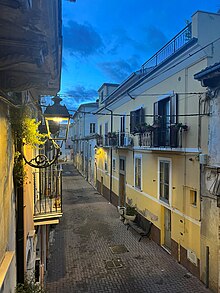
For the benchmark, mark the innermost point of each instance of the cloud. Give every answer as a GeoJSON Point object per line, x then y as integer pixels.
{"type": "Point", "coordinates": [148, 41]}
{"type": "Point", "coordinates": [118, 70]}
{"type": "Point", "coordinates": [118, 40]}
{"type": "Point", "coordinates": [154, 39]}
{"type": "Point", "coordinates": [80, 95]}
{"type": "Point", "coordinates": [81, 39]}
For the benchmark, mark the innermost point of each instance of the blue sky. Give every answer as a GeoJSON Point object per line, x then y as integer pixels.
{"type": "Point", "coordinates": [106, 40]}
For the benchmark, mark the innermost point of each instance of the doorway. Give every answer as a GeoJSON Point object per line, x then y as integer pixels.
{"type": "Point", "coordinates": [167, 229]}
{"type": "Point", "coordinates": [122, 182]}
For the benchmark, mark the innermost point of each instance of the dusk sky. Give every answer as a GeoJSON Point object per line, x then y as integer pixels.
{"type": "Point", "coordinates": [106, 40]}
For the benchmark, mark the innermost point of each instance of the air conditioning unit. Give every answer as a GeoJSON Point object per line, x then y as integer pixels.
{"type": "Point", "coordinates": [128, 141]}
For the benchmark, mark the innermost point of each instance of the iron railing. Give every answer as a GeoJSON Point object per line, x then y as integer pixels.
{"type": "Point", "coordinates": [47, 192]}
{"type": "Point", "coordinates": [182, 38]}
{"type": "Point", "coordinates": [117, 139]}
{"type": "Point", "coordinates": [163, 136]}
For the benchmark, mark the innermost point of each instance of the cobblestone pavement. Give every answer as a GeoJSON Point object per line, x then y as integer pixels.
{"type": "Point", "coordinates": [79, 252]}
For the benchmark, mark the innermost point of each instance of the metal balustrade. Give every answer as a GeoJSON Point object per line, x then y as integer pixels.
{"type": "Point", "coordinates": [181, 39]}
{"type": "Point", "coordinates": [116, 139]}
{"type": "Point", "coordinates": [170, 136]}
{"type": "Point", "coordinates": [47, 192]}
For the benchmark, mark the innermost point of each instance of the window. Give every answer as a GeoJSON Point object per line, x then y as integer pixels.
{"type": "Point", "coordinates": [164, 180]}
{"type": "Point", "coordinates": [102, 96]}
{"type": "Point", "coordinates": [122, 164]}
{"type": "Point", "coordinates": [165, 116]}
{"type": "Point", "coordinates": [106, 133]}
{"type": "Point", "coordinates": [113, 164]}
{"type": "Point", "coordinates": [92, 127]}
{"type": "Point", "coordinates": [100, 129]}
{"type": "Point", "coordinates": [137, 172]}
{"type": "Point", "coordinates": [136, 118]}
{"type": "Point", "coordinates": [106, 166]}
{"type": "Point", "coordinates": [193, 197]}
{"type": "Point", "coordinates": [90, 150]}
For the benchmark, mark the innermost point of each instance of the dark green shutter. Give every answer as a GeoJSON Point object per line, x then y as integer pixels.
{"type": "Point", "coordinates": [174, 132]}
{"type": "Point", "coordinates": [132, 121]}
{"type": "Point", "coordinates": [156, 130]}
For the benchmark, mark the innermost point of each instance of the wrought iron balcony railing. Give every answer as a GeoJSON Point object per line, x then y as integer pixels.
{"type": "Point", "coordinates": [48, 193]}
{"type": "Point", "coordinates": [181, 39]}
{"type": "Point", "coordinates": [164, 136]}
{"type": "Point", "coordinates": [117, 139]}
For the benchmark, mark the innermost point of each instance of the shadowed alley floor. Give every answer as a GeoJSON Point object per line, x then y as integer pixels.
{"type": "Point", "coordinates": [81, 260]}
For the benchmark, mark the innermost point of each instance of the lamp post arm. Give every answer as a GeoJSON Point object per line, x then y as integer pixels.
{"type": "Point", "coordinates": [41, 160]}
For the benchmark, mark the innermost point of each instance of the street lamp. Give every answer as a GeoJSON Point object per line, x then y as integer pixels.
{"type": "Point", "coordinates": [57, 120]}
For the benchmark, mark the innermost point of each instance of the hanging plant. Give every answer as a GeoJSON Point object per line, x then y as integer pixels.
{"type": "Point", "coordinates": [25, 132]}
{"type": "Point", "coordinates": [30, 133]}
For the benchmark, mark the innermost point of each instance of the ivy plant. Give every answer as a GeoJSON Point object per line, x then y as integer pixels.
{"type": "Point", "coordinates": [25, 132]}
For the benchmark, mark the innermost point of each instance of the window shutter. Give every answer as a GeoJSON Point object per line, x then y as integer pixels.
{"type": "Point", "coordinates": [156, 107]}
{"type": "Point", "coordinates": [174, 109]}
{"type": "Point", "coordinates": [132, 121]}
{"type": "Point", "coordinates": [156, 130]}
{"type": "Point", "coordinates": [174, 133]}
{"type": "Point", "coordinates": [142, 116]}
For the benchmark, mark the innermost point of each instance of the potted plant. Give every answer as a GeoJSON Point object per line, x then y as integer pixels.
{"type": "Point", "coordinates": [130, 214]}
{"type": "Point", "coordinates": [121, 211]}
{"type": "Point", "coordinates": [177, 126]}
{"type": "Point", "coordinates": [142, 128]}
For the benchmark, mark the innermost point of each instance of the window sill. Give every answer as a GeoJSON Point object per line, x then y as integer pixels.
{"type": "Point", "coordinates": [164, 201]}
{"type": "Point", "coordinates": [138, 189]}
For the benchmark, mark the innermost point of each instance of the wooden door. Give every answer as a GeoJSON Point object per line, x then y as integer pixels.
{"type": "Point", "coordinates": [167, 228]}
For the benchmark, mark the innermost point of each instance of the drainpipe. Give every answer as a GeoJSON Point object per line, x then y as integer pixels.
{"type": "Point", "coordinates": [20, 226]}
{"type": "Point", "coordinates": [199, 124]}
{"type": "Point", "coordinates": [110, 192]}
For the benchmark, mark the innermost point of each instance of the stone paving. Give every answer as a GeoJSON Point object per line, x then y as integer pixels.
{"type": "Point", "coordinates": [80, 253]}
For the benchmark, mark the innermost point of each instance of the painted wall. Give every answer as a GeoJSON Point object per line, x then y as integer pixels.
{"type": "Point", "coordinates": [175, 76]}
{"type": "Point", "coordinates": [210, 204]}
{"type": "Point", "coordinates": [7, 202]}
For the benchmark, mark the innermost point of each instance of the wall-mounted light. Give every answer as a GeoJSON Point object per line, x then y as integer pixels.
{"type": "Point", "coordinates": [57, 120]}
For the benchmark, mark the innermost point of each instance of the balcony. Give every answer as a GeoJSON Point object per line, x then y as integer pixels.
{"type": "Point", "coordinates": [99, 140]}
{"type": "Point", "coordinates": [118, 139]}
{"type": "Point", "coordinates": [47, 197]}
{"type": "Point", "coordinates": [167, 136]}
{"type": "Point", "coordinates": [124, 140]}
{"type": "Point", "coordinates": [174, 45]}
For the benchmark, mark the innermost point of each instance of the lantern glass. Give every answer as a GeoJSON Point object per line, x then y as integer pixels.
{"type": "Point", "coordinates": [57, 127]}
{"type": "Point", "coordinates": [57, 120]}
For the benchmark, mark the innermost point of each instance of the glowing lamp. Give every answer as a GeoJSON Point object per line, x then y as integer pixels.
{"type": "Point", "coordinates": [57, 120]}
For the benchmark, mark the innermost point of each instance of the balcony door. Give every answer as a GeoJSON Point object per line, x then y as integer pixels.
{"type": "Point", "coordinates": [122, 182]}
{"type": "Point", "coordinates": [165, 116]}
{"type": "Point", "coordinates": [122, 130]}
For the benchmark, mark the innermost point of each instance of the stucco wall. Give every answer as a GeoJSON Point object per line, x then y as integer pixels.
{"type": "Point", "coordinates": [7, 198]}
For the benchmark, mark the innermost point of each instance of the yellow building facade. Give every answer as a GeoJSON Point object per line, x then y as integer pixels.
{"type": "Point", "coordinates": [153, 139]}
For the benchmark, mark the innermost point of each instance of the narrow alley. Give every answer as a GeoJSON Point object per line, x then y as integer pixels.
{"type": "Point", "coordinates": [81, 259]}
